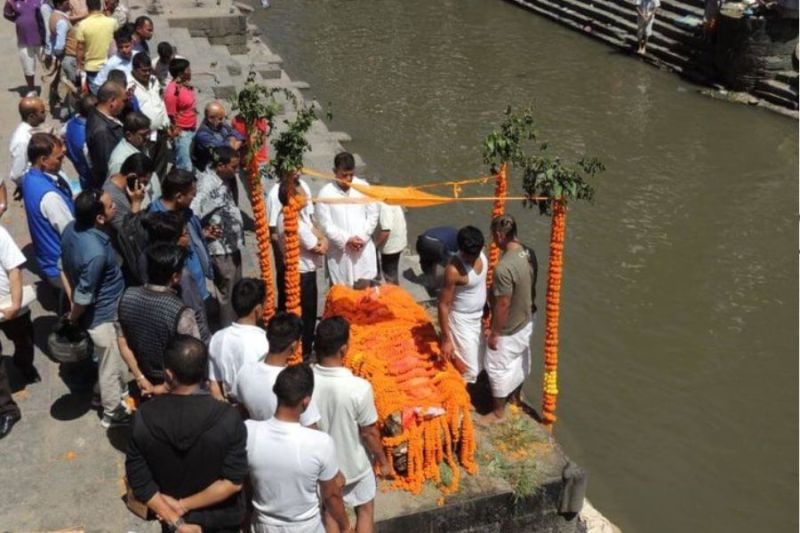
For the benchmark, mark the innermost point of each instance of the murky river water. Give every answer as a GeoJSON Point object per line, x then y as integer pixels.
{"type": "Point", "coordinates": [678, 371]}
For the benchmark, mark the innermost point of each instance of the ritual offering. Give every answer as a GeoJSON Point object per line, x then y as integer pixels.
{"type": "Point", "coordinates": [422, 401]}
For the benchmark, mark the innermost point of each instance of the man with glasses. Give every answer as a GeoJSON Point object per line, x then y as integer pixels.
{"type": "Point", "coordinates": [136, 135]}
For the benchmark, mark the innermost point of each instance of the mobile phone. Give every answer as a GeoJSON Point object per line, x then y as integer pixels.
{"type": "Point", "coordinates": [132, 180]}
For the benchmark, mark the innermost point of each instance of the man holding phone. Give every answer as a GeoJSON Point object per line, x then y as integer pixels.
{"type": "Point", "coordinates": [128, 188]}
{"type": "Point", "coordinates": [215, 204]}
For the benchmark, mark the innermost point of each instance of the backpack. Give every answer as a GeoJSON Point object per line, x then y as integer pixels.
{"type": "Point", "coordinates": [131, 242]}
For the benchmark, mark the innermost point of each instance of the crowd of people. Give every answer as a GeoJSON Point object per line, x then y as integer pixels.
{"type": "Point", "coordinates": [143, 252]}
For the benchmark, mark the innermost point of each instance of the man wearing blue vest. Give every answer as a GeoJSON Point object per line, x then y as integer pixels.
{"type": "Point", "coordinates": [48, 203]}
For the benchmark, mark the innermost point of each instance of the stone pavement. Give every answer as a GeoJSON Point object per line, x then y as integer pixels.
{"type": "Point", "coordinates": [60, 468]}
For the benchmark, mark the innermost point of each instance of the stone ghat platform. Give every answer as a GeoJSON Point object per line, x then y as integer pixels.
{"type": "Point", "coordinates": [487, 501]}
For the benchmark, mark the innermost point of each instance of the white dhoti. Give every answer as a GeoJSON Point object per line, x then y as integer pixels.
{"type": "Point", "coordinates": [466, 333]}
{"type": "Point", "coordinates": [508, 366]}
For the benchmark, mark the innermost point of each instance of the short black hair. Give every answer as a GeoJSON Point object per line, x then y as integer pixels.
{"type": "Point", "coordinates": [187, 358]}
{"type": "Point", "coordinates": [86, 103]}
{"type": "Point", "coordinates": [283, 191]}
{"type": "Point", "coordinates": [177, 66]}
{"type": "Point", "coordinates": [141, 59]}
{"type": "Point", "coordinates": [42, 145]}
{"type": "Point", "coordinates": [505, 225]}
{"type": "Point", "coordinates": [163, 261]}
{"type": "Point", "coordinates": [247, 294]}
{"type": "Point", "coordinates": [87, 207]}
{"type": "Point", "coordinates": [119, 77]}
{"type": "Point", "coordinates": [344, 161]}
{"type": "Point", "coordinates": [135, 121]}
{"type": "Point", "coordinates": [140, 21]}
{"type": "Point", "coordinates": [138, 163]}
{"type": "Point", "coordinates": [123, 35]}
{"type": "Point", "coordinates": [165, 50]}
{"type": "Point", "coordinates": [293, 384]}
{"type": "Point", "coordinates": [94, 5]}
{"type": "Point", "coordinates": [109, 90]}
{"type": "Point", "coordinates": [283, 329]}
{"type": "Point", "coordinates": [332, 333]}
{"type": "Point", "coordinates": [470, 240]}
{"type": "Point", "coordinates": [177, 181]}
{"type": "Point", "coordinates": [222, 155]}
{"type": "Point", "coordinates": [164, 226]}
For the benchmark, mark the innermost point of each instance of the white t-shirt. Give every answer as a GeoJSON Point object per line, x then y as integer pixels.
{"type": "Point", "coordinates": [309, 261]}
{"type": "Point", "coordinates": [254, 389]}
{"type": "Point", "coordinates": [230, 349]}
{"type": "Point", "coordinates": [286, 463]}
{"type": "Point", "coordinates": [346, 404]}
{"type": "Point", "coordinates": [274, 204]}
{"type": "Point", "coordinates": [10, 257]}
{"type": "Point", "coordinates": [392, 219]}
{"type": "Point", "coordinates": [19, 150]}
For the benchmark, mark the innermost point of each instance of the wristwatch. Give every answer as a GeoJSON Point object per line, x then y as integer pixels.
{"type": "Point", "coordinates": [176, 525]}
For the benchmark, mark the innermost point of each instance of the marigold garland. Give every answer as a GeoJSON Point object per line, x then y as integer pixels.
{"type": "Point", "coordinates": [394, 345]}
{"type": "Point", "coordinates": [550, 393]}
{"type": "Point", "coordinates": [262, 235]}
{"type": "Point", "coordinates": [291, 228]}
{"type": "Point", "coordinates": [498, 209]}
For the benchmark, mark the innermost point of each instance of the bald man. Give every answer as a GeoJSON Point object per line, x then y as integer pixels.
{"type": "Point", "coordinates": [103, 130]}
{"type": "Point", "coordinates": [213, 133]}
{"type": "Point", "coordinates": [33, 114]}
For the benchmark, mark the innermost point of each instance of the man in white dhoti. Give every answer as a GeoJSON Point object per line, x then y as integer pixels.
{"type": "Point", "coordinates": [461, 304]}
{"type": "Point", "coordinates": [508, 352]}
{"type": "Point", "coordinates": [348, 226]}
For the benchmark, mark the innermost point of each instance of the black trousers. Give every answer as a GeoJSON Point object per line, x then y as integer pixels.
{"type": "Point", "coordinates": [390, 264]}
{"type": "Point", "coordinates": [308, 308]}
{"type": "Point", "coordinates": [19, 331]}
{"type": "Point", "coordinates": [160, 153]}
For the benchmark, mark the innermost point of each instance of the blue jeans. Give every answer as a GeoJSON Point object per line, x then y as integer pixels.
{"type": "Point", "coordinates": [182, 147]}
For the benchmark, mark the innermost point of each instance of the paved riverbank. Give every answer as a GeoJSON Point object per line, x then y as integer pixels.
{"type": "Point", "coordinates": [62, 470]}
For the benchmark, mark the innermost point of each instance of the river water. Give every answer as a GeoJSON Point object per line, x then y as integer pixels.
{"type": "Point", "coordinates": [678, 363]}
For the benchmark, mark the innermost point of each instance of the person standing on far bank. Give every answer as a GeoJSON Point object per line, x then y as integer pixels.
{"type": "Point", "coordinates": [646, 12]}
{"type": "Point", "coordinates": [508, 352]}
{"type": "Point", "coordinates": [25, 14]}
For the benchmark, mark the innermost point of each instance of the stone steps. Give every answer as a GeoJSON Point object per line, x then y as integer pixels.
{"type": "Point", "coordinates": [778, 93]}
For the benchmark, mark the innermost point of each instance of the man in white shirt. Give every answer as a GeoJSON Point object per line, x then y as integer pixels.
{"type": "Point", "coordinates": [348, 227]}
{"type": "Point", "coordinates": [33, 114]}
{"type": "Point", "coordinates": [391, 240]}
{"type": "Point", "coordinates": [289, 463]}
{"type": "Point", "coordinates": [147, 91]}
{"type": "Point", "coordinates": [348, 414]}
{"type": "Point", "coordinates": [240, 343]}
{"type": "Point", "coordinates": [313, 246]}
{"type": "Point", "coordinates": [16, 324]}
{"type": "Point", "coordinates": [255, 379]}
{"type": "Point", "coordinates": [274, 208]}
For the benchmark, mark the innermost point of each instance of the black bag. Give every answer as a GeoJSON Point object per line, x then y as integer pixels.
{"type": "Point", "coordinates": [131, 242]}
{"type": "Point", "coordinates": [68, 343]}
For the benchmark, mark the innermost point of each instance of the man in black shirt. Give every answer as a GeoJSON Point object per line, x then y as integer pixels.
{"type": "Point", "coordinates": [187, 455]}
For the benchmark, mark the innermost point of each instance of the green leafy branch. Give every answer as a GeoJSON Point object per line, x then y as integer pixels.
{"type": "Point", "coordinates": [292, 143]}
{"type": "Point", "coordinates": [516, 143]}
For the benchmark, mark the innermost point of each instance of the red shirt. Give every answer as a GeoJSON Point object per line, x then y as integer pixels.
{"type": "Point", "coordinates": [181, 106]}
{"type": "Point", "coordinates": [262, 157]}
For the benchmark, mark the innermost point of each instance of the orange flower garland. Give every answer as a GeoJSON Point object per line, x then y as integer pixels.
{"type": "Point", "coordinates": [262, 235]}
{"type": "Point", "coordinates": [291, 228]}
{"type": "Point", "coordinates": [498, 209]}
{"type": "Point", "coordinates": [557, 230]}
{"type": "Point", "coordinates": [394, 346]}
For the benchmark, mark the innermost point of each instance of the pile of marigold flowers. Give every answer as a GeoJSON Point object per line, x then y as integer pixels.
{"type": "Point", "coordinates": [422, 402]}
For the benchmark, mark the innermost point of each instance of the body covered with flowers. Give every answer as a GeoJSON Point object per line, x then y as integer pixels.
{"type": "Point", "coordinates": [422, 402]}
